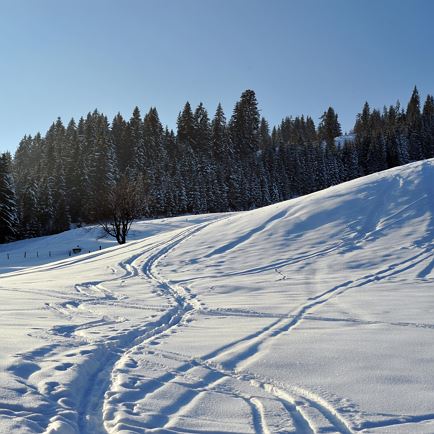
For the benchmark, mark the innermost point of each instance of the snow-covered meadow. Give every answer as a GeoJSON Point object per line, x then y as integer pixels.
{"type": "Point", "coordinates": [314, 315]}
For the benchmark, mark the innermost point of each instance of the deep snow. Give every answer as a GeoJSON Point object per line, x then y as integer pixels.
{"type": "Point", "coordinates": [313, 315]}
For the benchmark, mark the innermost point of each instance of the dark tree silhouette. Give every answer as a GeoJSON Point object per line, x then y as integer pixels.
{"type": "Point", "coordinates": [123, 207]}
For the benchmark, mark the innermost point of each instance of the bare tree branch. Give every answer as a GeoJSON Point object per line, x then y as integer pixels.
{"type": "Point", "coordinates": [124, 206]}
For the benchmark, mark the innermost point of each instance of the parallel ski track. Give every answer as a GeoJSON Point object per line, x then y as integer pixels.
{"type": "Point", "coordinates": [188, 305]}
{"type": "Point", "coordinates": [90, 415]}
{"type": "Point", "coordinates": [91, 294]}
{"type": "Point", "coordinates": [230, 361]}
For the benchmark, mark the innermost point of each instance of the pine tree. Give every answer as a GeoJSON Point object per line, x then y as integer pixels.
{"type": "Point", "coordinates": [221, 156]}
{"type": "Point", "coordinates": [428, 127]}
{"type": "Point", "coordinates": [377, 159]}
{"type": "Point", "coordinates": [207, 166]}
{"type": "Point", "coordinates": [41, 192]}
{"type": "Point", "coordinates": [29, 221]}
{"type": "Point", "coordinates": [189, 164]}
{"type": "Point", "coordinates": [156, 182]}
{"type": "Point", "coordinates": [414, 125]}
{"type": "Point", "coordinates": [185, 123]}
{"type": "Point", "coordinates": [136, 145]}
{"type": "Point", "coordinates": [329, 127]}
{"type": "Point", "coordinates": [219, 136]}
{"type": "Point", "coordinates": [8, 205]}
{"type": "Point", "coordinates": [350, 161]}
{"type": "Point", "coordinates": [102, 166]}
{"type": "Point", "coordinates": [201, 143]}
{"type": "Point", "coordinates": [244, 125]}
{"type": "Point", "coordinates": [122, 144]}
{"type": "Point", "coordinates": [61, 218]}
{"type": "Point", "coordinates": [244, 135]}
{"type": "Point", "coordinates": [264, 134]}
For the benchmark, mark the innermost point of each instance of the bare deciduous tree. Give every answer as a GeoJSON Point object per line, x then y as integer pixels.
{"type": "Point", "coordinates": [123, 207]}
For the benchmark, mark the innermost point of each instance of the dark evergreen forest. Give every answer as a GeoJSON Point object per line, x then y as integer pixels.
{"type": "Point", "coordinates": [208, 165]}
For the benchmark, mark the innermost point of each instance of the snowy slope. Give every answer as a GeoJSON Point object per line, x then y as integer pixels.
{"type": "Point", "coordinates": [314, 315]}
{"type": "Point", "coordinates": [42, 250]}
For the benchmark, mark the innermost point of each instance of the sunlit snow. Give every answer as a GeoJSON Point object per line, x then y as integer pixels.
{"type": "Point", "coordinates": [314, 315]}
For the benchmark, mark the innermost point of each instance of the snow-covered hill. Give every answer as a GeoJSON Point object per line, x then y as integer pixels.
{"type": "Point", "coordinates": [314, 315]}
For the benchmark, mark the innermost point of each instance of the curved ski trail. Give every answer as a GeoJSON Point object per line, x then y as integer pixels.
{"type": "Point", "coordinates": [300, 409]}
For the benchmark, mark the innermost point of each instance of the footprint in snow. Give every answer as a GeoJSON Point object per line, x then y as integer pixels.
{"type": "Point", "coordinates": [154, 343]}
{"type": "Point", "coordinates": [63, 366]}
{"type": "Point", "coordinates": [132, 364]}
{"type": "Point", "coordinates": [24, 369]}
{"type": "Point", "coordinates": [50, 387]}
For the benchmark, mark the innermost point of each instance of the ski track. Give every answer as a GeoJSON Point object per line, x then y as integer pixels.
{"type": "Point", "coordinates": [246, 353]}
{"type": "Point", "coordinates": [230, 361]}
{"type": "Point", "coordinates": [169, 320]}
{"type": "Point", "coordinates": [306, 403]}
{"type": "Point", "coordinates": [104, 355]}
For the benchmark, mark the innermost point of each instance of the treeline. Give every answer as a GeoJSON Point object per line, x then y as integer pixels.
{"type": "Point", "coordinates": [208, 165]}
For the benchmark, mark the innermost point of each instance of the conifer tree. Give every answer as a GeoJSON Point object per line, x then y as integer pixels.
{"type": "Point", "coordinates": [208, 166]}
{"type": "Point", "coordinates": [8, 205]}
{"type": "Point", "coordinates": [122, 143]}
{"type": "Point", "coordinates": [244, 186]}
{"type": "Point", "coordinates": [136, 145]}
{"type": "Point", "coordinates": [428, 127]}
{"type": "Point", "coordinates": [61, 218]}
{"type": "Point", "coordinates": [414, 126]}
{"type": "Point", "coordinates": [155, 178]}
{"type": "Point", "coordinates": [350, 161]}
{"type": "Point", "coordinates": [222, 158]}
{"type": "Point", "coordinates": [103, 166]}
{"type": "Point", "coordinates": [264, 134]}
{"type": "Point", "coordinates": [329, 127]}
{"type": "Point", "coordinates": [28, 211]}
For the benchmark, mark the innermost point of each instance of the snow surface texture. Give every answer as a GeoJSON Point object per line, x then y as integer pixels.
{"type": "Point", "coordinates": [314, 315]}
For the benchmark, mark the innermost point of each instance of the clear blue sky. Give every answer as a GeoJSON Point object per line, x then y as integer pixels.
{"type": "Point", "coordinates": [65, 58]}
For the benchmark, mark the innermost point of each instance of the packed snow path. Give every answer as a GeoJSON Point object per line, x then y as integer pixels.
{"type": "Point", "coordinates": [314, 315]}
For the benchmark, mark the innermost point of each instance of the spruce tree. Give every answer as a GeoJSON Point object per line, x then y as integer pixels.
{"type": "Point", "coordinates": [122, 143]}
{"type": "Point", "coordinates": [207, 166]}
{"type": "Point", "coordinates": [61, 218]}
{"type": "Point", "coordinates": [264, 134]}
{"type": "Point", "coordinates": [222, 158]}
{"type": "Point", "coordinates": [155, 190]}
{"type": "Point", "coordinates": [329, 127]}
{"type": "Point", "coordinates": [30, 223]}
{"type": "Point", "coordinates": [8, 205]}
{"type": "Point", "coordinates": [428, 127]}
{"type": "Point", "coordinates": [244, 186]}
{"type": "Point", "coordinates": [414, 126]}
{"type": "Point", "coordinates": [136, 145]}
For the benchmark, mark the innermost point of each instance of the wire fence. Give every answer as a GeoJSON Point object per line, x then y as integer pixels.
{"type": "Point", "coordinates": [36, 254]}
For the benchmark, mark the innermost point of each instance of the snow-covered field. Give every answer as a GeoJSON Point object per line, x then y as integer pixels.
{"type": "Point", "coordinates": [315, 315]}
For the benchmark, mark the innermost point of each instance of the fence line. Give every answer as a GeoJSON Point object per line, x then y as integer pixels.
{"type": "Point", "coordinates": [34, 254]}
